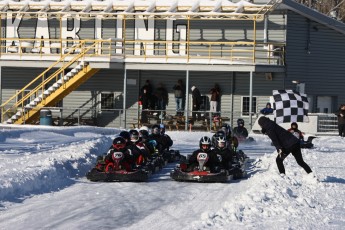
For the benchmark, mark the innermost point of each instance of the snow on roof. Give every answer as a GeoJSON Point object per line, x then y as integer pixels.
{"type": "Point", "coordinates": [123, 6]}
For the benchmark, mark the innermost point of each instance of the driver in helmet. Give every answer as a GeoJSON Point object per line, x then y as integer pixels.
{"type": "Point", "coordinates": [233, 141]}
{"type": "Point", "coordinates": [163, 143]}
{"type": "Point", "coordinates": [169, 142]}
{"type": "Point", "coordinates": [295, 131]}
{"type": "Point", "coordinates": [119, 145]}
{"type": "Point", "coordinates": [145, 140]}
{"type": "Point", "coordinates": [205, 146]}
{"type": "Point", "coordinates": [240, 132]}
{"type": "Point", "coordinates": [143, 153]}
{"type": "Point", "coordinates": [222, 150]}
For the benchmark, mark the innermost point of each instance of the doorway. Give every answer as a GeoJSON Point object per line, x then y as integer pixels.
{"type": "Point", "coordinates": [324, 104]}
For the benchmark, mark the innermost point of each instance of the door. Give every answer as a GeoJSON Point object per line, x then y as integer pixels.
{"type": "Point", "coordinates": [324, 104]}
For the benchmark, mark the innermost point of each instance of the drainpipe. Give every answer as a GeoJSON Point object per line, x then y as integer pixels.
{"type": "Point", "coordinates": [265, 29]}
{"type": "Point", "coordinates": [232, 98]}
{"type": "Point", "coordinates": [138, 90]}
{"type": "Point", "coordinates": [124, 96]}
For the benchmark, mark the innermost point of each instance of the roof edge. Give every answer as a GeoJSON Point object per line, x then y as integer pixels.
{"type": "Point", "coordinates": [314, 15]}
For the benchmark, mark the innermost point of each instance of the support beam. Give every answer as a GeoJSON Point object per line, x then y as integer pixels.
{"type": "Point", "coordinates": [124, 97]}
{"type": "Point", "coordinates": [250, 99]}
{"type": "Point", "coordinates": [186, 107]}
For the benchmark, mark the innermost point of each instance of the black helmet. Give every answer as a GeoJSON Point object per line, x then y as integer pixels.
{"type": "Point", "coordinates": [220, 133]}
{"type": "Point", "coordinates": [240, 122]}
{"type": "Point", "coordinates": [227, 129]}
{"type": "Point", "coordinates": [294, 124]}
{"type": "Point", "coordinates": [155, 130]}
{"type": "Point", "coordinates": [221, 142]}
{"type": "Point", "coordinates": [144, 134]}
{"type": "Point", "coordinates": [125, 135]}
{"type": "Point", "coordinates": [134, 135]}
{"type": "Point", "coordinates": [205, 143]}
{"type": "Point", "coordinates": [119, 143]}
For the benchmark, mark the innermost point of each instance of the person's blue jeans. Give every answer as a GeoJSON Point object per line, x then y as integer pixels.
{"type": "Point", "coordinates": [179, 101]}
{"type": "Point", "coordinates": [161, 106]}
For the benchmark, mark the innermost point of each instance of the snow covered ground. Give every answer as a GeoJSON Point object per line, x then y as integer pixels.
{"type": "Point", "coordinates": [43, 186]}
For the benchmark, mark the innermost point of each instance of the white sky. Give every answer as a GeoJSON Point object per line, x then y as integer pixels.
{"type": "Point", "coordinates": [43, 186]}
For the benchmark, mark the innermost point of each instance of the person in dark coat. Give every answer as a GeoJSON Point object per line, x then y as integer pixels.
{"type": "Point", "coordinates": [119, 145]}
{"type": "Point", "coordinates": [163, 143]}
{"type": "Point", "coordinates": [204, 147]}
{"type": "Point", "coordinates": [145, 99]}
{"type": "Point", "coordinates": [240, 132]}
{"type": "Point", "coordinates": [196, 102]}
{"type": "Point", "coordinates": [162, 99]}
{"type": "Point", "coordinates": [341, 120]}
{"type": "Point", "coordinates": [226, 153]}
{"type": "Point", "coordinates": [179, 96]}
{"type": "Point", "coordinates": [285, 143]}
{"type": "Point", "coordinates": [267, 110]}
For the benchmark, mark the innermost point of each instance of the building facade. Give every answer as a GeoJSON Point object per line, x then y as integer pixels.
{"type": "Point", "coordinates": [248, 48]}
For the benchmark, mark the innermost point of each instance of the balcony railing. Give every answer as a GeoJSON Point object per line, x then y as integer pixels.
{"type": "Point", "coordinates": [203, 52]}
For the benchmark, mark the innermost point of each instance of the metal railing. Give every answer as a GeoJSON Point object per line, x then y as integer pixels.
{"type": "Point", "coordinates": [223, 51]}
{"type": "Point", "coordinates": [41, 47]}
{"type": "Point", "coordinates": [220, 52]}
{"type": "Point", "coordinates": [327, 123]}
{"type": "Point", "coordinates": [40, 83]}
{"type": "Point", "coordinates": [210, 121]}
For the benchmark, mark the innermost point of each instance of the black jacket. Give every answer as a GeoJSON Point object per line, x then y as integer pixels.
{"type": "Point", "coordinates": [196, 96]}
{"type": "Point", "coordinates": [341, 119]}
{"type": "Point", "coordinates": [227, 157]}
{"type": "Point", "coordinates": [212, 162]}
{"type": "Point", "coordinates": [178, 91]}
{"type": "Point", "coordinates": [281, 138]}
{"type": "Point", "coordinates": [164, 142]}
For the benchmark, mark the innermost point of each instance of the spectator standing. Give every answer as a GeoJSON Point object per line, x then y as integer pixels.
{"type": "Point", "coordinates": [162, 99]}
{"type": "Point", "coordinates": [145, 98]}
{"type": "Point", "coordinates": [179, 95]}
{"type": "Point", "coordinates": [196, 102]}
{"type": "Point", "coordinates": [341, 120]}
{"type": "Point", "coordinates": [215, 98]}
{"type": "Point", "coordinates": [267, 110]}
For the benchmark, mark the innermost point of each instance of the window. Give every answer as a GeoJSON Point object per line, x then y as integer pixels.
{"type": "Point", "coordinates": [245, 105]}
{"type": "Point", "coordinates": [107, 101]}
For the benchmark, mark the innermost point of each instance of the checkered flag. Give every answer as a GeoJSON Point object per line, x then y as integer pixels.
{"type": "Point", "coordinates": [290, 106]}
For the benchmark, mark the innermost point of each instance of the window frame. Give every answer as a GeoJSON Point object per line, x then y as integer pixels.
{"type": "Point", "coordinates": [101, 108]}
{"type": "Point", "coordinates": [246, 99]}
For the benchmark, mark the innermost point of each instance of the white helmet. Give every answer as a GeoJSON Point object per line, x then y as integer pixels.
{"type": "Point", "coordinates": [144, 128]}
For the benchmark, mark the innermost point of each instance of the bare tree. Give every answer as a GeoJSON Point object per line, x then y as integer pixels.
{"type": "Point", "coordinates": [331, 8]}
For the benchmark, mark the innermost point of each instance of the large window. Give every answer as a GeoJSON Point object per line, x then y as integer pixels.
{"type": "Point", "coordinates": [245, 105]}
{"type": "Point", "coordinates": [107, 101]}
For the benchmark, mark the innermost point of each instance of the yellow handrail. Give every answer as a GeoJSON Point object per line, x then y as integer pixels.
{"type": "Point", "coordinates": [84, 50]}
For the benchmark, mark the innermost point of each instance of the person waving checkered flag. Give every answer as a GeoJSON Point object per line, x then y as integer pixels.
{"type": "Point", "coordinates": [290, 106]}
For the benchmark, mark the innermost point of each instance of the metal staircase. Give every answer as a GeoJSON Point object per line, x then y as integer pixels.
{"type": "Point", "coordinates": [47, 91]}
